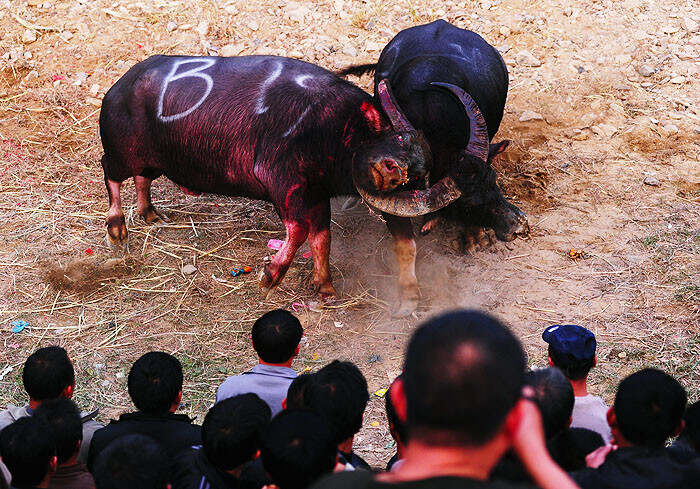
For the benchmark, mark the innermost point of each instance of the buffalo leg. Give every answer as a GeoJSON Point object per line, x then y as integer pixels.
{"type": "Point", "coordinates": [144, 206]}
{"type": "Point", "coordinates": [116, 224]}
{"type": "Point", "coordinates": [405, 250]}
{"type": "Point", "coordinates": [272, 274]}
{"type": "Point", "coordinates": [320, 241]}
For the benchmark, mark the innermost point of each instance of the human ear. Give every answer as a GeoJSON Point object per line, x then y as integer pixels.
{"type": "Point", "coordinates": [398, 397]}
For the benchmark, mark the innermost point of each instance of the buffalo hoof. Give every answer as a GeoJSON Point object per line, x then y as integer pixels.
{"type": "Point", "coordinates": [268, 280]}
{"type": "Point", "coordinates": [326, 292]}
{"type": "Point", "coordinates": [117, 234]}
{"type": "Point", "coordinates": [408, 302]}
{"type": "Point", "coordinates": [152, 216]}
{"type": "Point", "coordinates": [474, 239]}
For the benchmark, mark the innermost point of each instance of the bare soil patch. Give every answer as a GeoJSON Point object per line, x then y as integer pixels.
{"type": "Point", "coordinates": [579, 174]}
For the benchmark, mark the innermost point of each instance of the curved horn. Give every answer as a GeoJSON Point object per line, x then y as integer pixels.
{"type": "Point", "coordinates": [398, 120]}
{"type": "Point", "coordinates": [414, 203]}
{"type": "Point", "coordinates": [478, 134]}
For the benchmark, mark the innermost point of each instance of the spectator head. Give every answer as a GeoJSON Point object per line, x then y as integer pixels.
{"type": "Point", "coordinates": [48, 374]}
{"type": "Point", "coordinates": [233, 429]}
{"type": "Point", "coordinates": [463, 375]}
{"type": "Point", "coordinates": [132, 461]}
{"type": "Point", "coordinates": [276, 336]}
{"type": "Point", "coordinates": [397, 427]}
{"type": "Point", "coordinates": [63, 416]}
{"type": "Point", "coordinates": [296, 392]}
{"type": "Point", "coordinates": [155, 383]}
{"type": "Point", "coordinates": [691, 431]}
{"type": "Point", "coordinates": [554, 397]}
{"type": "Point", "coordinates": [338, 392]}
{"type": "Point", "coordinates": [648, 409]}
{"type": "Point", "coordinates": [28, 449]}
{"type": "Point", "coordinates": [571, 349]}
{"type": "Point", "coordinates": [298, 448]}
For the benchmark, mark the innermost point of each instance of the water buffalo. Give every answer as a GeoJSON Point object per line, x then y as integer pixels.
{"type": "Point", "coordinates": [437, 71]}
{"type": "Point", "coordinates": [265, 127]}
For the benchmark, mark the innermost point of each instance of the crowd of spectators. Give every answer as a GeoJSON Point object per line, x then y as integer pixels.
{"type": "Point", "coordinates": [464, 413]}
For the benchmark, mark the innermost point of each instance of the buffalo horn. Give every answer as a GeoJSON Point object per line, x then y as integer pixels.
{"type": "Point", "coordinates": [398, 121]}
{"type": "Point", "coordinates": [412, 203]}
{"type": "Point", "coordinates": [478, 134]}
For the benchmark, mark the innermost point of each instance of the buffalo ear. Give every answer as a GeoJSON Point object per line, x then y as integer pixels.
{"type": "Point", "coordinates": [498, 148]}
{"type": "Point", "coordinates": [372, 116]}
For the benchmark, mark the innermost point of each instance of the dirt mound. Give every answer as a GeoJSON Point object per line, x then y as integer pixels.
{"type": "Point", "coordinates": [85, 275]}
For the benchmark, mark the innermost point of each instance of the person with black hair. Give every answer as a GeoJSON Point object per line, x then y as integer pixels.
{"type": "Point", "coordinates": [461, 396]}
{"type": "Point", "coordinates": [648, 410]}
{"type": "Point", "coordinates": [397, 428]}
{"type": "Point", "coordinates": [133, 462]}
{"type": "Point", "coordinates": [568, 447]}
{"type": "Point", "coordinates": [276, 336]}
{"type": "Point", "coordinates": [572, 350]}
{"type": "Point", "coordinates": [232, 433]}
{"type": "Point", "coordinates": [298, 448]}
{"type": "Point", "coordinates": [28, 449]}
{"type": "Point", "coordinates": [48, 374]}
{"type": "Point", "coordinates": [63, 417]}
{"type": "Point", "coordinates": [155, 388]}
{"type": "Point", "coordinates": [297, 389]}
{"type": "Point", "coordinates": [338, 392]}
{"type": "Point", "coordinates": [687, 445]}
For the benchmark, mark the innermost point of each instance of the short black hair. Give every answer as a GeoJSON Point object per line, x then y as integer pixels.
{"type": "Point", "coordinates": [338, 392]}
{"type": "Point", "coordinates": [154, 382]}
{"type": "Point", "coordinates": [47, 372]}
{"type": "Point", "coordinates": [649, 407]}
{"type": "Point", "coordinates": [464, 372]}
{"type": "Point", "coordinates": [298, 448]}
{"type": "Point", "coordinates": [572, 368]}
{"type": "Point", "coordinates": [233, 429]}
{"type": "Point", "coordinates": [554, 397]}
{"type": "Point", "coordinates": [276, 335]}
{"type": "Point", "coordinates": [27, 447]}
{"type": "Point", "coordinates": [297, 390]}
{"type": "Point", "coordinates": [691, 432]}
{"type": "Point", "coordinates": [392, 418]}
{"type": "Point", "coordinates": [132, 461]}
{"type": "Point", "coordinates": [63, 416]}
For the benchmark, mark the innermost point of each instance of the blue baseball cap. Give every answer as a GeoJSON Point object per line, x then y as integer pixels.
{"type": "Point", "coordinates": [570, 339]}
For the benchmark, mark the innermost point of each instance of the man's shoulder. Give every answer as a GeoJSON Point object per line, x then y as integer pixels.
{"type": "Point", "coordinates": [362, 479]}
{"type": "Point", "coordinates": [12, 414]}
{"type": "Point", "coordinates": [590, 401]}
{"type": "Point", "coordinates": [354, 479]}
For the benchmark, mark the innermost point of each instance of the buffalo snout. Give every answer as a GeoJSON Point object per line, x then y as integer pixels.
{"type": "Point", "coordinates": [509, 222]}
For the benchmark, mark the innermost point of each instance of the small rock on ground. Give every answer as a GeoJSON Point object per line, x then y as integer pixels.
{"type": "Point", "coordinates": [530, 115]}
{"type": "Point", "coordinates": [526, 58]}
{"type": "Point", "coordinates": [652, 181]}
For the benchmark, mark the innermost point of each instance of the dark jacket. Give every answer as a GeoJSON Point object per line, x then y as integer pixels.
{"type": "Point", "coordinates": [174, 431]}
{"type": "Point", "coordinates": [72, 477]}
{"type": "Point", "coordinates": [641, 468]}
{"type": "Point", "coordinates": [192, 470]}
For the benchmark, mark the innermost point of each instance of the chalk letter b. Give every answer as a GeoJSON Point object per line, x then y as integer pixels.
{"type": "Point", "coordinates": [195, 72]}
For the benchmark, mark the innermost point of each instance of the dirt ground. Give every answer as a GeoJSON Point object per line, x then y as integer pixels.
{"type": "Point", "coordinates": [607, 167]}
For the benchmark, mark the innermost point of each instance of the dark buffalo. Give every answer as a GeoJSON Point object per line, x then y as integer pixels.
{"type": "Point", "coordinates": [264, 127]}
{"type": "Point", "coordinates": [432, 68]}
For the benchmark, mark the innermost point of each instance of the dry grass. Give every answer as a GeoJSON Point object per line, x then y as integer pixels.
{"type": "Point", "coordinates": [638, 288]}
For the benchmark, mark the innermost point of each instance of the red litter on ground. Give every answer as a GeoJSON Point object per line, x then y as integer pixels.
{"type": "Point", "coordinates": [89, 251]}
{"type": "Point", "coordinates": [58, 77]}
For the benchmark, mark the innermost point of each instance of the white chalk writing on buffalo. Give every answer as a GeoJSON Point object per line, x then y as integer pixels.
{"type": "Point", "coordinates": [196, 72]}
{"type": "Point", "coordinates": [261, 107]}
